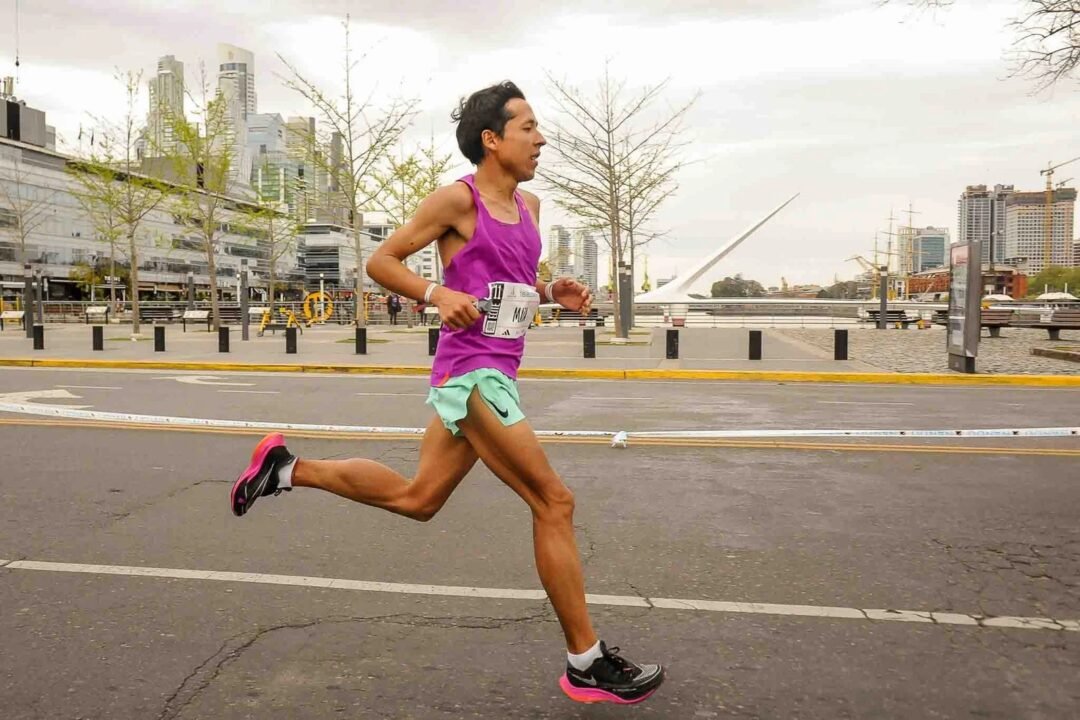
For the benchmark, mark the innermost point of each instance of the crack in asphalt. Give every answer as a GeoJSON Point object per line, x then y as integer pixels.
{"type": "Point", "coordinates": [205, 673]}
{"type": "Point", "coordinates": [641, 595]}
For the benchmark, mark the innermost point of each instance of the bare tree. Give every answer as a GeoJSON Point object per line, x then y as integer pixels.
{"type": "Point", "coordinates": [201, 161]}
{"type": "Point", "coordinates": [651, 180]}
{"type": "Point", "coordinates": [24, 203]}
{"type": "Point", "coordinates": [615, 159]}
{"type": "Point", "coordinates": [1046, 47]}
{"type": "Point", "coordinates": [111, 190]}
{"type": "Point", "coordinates": [367, 132]}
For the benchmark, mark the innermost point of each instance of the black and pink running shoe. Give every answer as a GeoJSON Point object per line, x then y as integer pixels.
{"type": "Point", "coordinates": [260, 478]}
{"type": "Point", "coordinates": [611, 678]}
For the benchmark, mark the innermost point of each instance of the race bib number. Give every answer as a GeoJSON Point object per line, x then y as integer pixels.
{"type": "Point", "coordinates": [511, 309]}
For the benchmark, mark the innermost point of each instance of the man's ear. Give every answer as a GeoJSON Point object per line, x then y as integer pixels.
{"type": "Point", "coordinates": [489, 139]}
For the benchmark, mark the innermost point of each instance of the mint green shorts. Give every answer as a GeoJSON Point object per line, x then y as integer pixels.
{"type": "Point", "coordinates": [450, 399]}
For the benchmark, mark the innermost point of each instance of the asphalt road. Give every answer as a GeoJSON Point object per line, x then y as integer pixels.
{"type": "Point", "coordinates": [811, 539]}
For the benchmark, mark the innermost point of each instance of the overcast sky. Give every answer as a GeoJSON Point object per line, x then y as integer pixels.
{"type": "Point", "coordinates": [861, 109]}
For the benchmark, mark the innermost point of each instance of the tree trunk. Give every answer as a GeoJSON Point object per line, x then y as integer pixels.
{"type": "Point", "coordinates": [615, 258]}
{"type": "Point", "coordinates": [272, 283]}
{"type": "Point", "coordinates": [112, 273]}
{"type": "Point", "coordinates": [211, 267]}
{"type": "Point", "coordinates": [361, 315]}
{"type": "Point", "coordinates": [134, 283]}
{"type": "Point", "coordinates": [633, 274]}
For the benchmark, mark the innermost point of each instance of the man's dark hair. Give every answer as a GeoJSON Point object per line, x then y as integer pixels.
{"type": "Point", "coordinates": [483, 110]}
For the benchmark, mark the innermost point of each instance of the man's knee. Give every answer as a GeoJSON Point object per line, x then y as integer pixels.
{"type": "Point", "coordinates": [418, 506]}
{"type": "Point", "coordinates": [556, 504]}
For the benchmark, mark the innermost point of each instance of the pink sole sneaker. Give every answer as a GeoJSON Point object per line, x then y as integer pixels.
{"type": "Point", "coordinates": [596, 695]}
{"type": "Point", "coordinates": [238, 500]}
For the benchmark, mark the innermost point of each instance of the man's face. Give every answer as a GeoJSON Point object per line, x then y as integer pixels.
{"type": "Point", "coordinates": [518, 150]}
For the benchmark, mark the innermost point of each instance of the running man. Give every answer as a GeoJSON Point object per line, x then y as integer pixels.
{"type": "Point", "coordinates": [489, 241]}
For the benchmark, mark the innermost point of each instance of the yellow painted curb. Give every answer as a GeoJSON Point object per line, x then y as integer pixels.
{"type": "Point", "coordinates": [572, 373]}
{"type": "Point", "coordinates": [856, 378]}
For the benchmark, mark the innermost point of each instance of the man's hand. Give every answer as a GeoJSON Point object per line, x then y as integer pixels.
{"type": "Point", "coordinates": [572, 295]}
{"type": "Point", "coordinates": [457, 309]}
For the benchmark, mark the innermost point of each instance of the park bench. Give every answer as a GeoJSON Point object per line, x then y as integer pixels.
{"type": "Point", "coordinates": [993, 319]}
{"type": "Point", "coordinates": [9, 316]}
{"type": "Point", "coordinates": [229, 314]}
{"type": "Point", "coordinates": [892, 317]}
{"type": "Point", "coordinates": [158, 313]}
{"type": "Point", "coordinates": [196, 316]}
{"type": "Point", "coordinates": [97, 314]}
{"type": "Point", "coordinates": [1057, 320]}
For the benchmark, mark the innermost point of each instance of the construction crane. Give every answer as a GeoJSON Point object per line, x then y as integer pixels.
{"type": "Point", "coordinates": [1048, 215]}
{"type": "Point", "coordinates": [872, 270]}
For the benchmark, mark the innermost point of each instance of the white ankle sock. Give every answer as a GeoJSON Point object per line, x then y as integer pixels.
{"type": "Point", "coordinates": [284, 474]}
{"type": "Point", "coordinates": [585, 659]}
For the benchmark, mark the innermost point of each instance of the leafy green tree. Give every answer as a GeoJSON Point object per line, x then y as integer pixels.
{"type": "Point", "coordinates": [845, 290]}
{"type": "Point", "coordinates": [1055, 278]}
{"type": "Point", "coordinates": [736, 287]}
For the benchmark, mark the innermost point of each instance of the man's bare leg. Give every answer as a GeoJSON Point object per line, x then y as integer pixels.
{"type": "Point", "coordinates": [444, 461]}
{"type": "Point", "coordinates": [515, 456]}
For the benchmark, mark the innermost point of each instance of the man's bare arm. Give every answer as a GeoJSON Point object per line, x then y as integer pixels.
{"type": "Point", "coordinates": [438, 213]}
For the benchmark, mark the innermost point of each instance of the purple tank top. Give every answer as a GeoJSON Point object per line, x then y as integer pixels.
{"type": "Point", "coordinates": [496, 252]}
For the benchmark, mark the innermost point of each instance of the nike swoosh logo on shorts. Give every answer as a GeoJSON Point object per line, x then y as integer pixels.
{"type": "Point", "coordinates": [503, 413]}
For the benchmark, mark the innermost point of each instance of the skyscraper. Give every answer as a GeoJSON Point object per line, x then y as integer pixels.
{"type": "Point", "coordinates": [236, 79]}
{"type": "Point", "coordinates": [312, 179]}
{"type": "Point", "coordinates": [166, 100]}
{"type": "Point", "coordinates": [236, 84]}
{"type": "Point", "coordinates": [922, 248]}
{"type": "Point", "coordinates": [1025, 229]}
{"type": "Point", "coordinates": [559, 258]}
{"type": "Point", "coordinates": [981, 216]}
{"type": "Point", "coordinates": [586, 250]}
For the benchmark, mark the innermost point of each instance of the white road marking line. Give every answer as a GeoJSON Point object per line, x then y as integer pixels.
{"type": "Point", "coordinates": [89, 387]}
{"type": "Point", "coordinates": [816, 611]}
{"type": "Point", "coordinates": [365, 394]}
{"type": "Point", "coordinates": [20, 406]}
{"type": "Point", "coordinates": [202, 380]}
{"type": "Point", "coordinates": [253, 392]}
{"type": "Point", "coordinates": [859, 402]}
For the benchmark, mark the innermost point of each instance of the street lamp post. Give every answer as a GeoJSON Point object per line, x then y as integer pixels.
{"type": "Point", "coordinates": [883, 290]}
{"type": "Point", "coordinates": [190, 290]}
{"type": "Point", "coordinates": [28, 300]}
{"type": "Point", "coordinates": [244, 319]}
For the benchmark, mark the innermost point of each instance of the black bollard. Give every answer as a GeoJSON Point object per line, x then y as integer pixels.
{"type": "Point", "coordinates": [840, 345]}
{"type": "Point", "coordinates": [223, 339]}
{"type": "Point", "coordinates": [290, 341]}
{"type": "Point", "coordinates": [588, 337]}
{"type": "Point", "coordinates": [97, 333]}
{"type": "Point", "coordinates": [432, 340]}
{"type": "Point", "coordinates": [361, 341]}
{"type": "Point", "coordinates": [39, 337]}
{"type": "Point", "coordinates": [672, 344]}
{"type": "Point", "coordinates": [755, 344]}
{"type": "Point", "coordinates": [159, 338]}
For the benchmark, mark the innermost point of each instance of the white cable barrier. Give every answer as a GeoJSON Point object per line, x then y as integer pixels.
{"type": "Point", "coordinates": [619, 438]}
